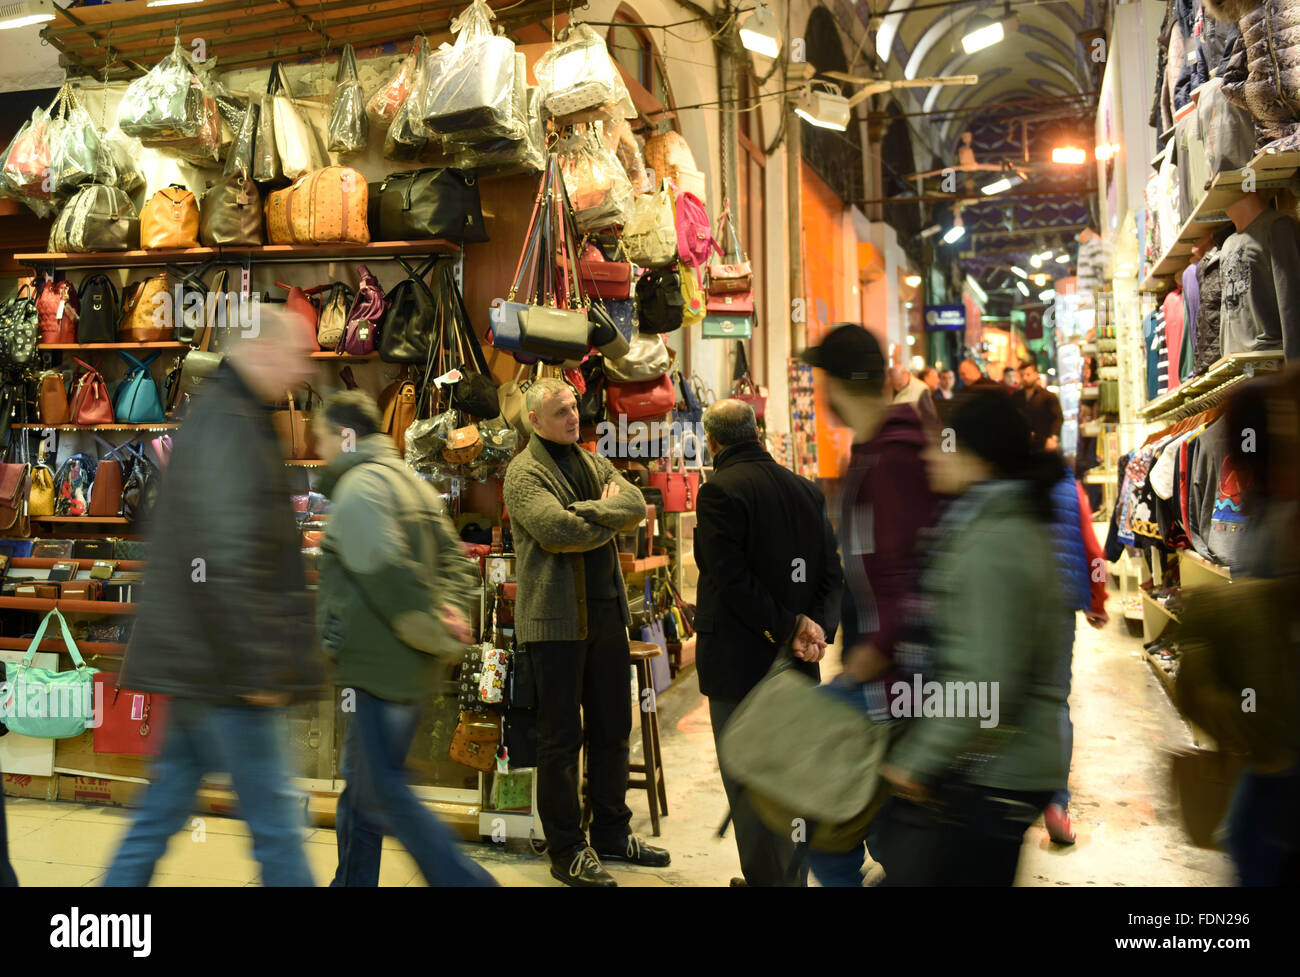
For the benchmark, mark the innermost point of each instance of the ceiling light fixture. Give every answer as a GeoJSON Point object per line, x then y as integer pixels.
{"type": "Point", "coordinates": [1105, 152]}
{"type": "Point", "coordinates": [1062, 259]}
{"type": "Point", "coordinates": [1020, 271]}
{"type": "Point", "coordinates": [1024, 289]}
{"type": "Point", "coordinates": [823, 107]}
{"type": "Point", "coordinates": [1047, 295]}
{"type": "Point", "coordinates": [981, 33]}
{"type": "Point", "coordinates": [931, 231]}
{"type": "Point", "coordinates": [911, 281]}
{"type": "Point", "coordinates": [1035, 261]}
{"type": "Point", "coordinates": [1040, 280]}
{"type": "Point", "coordinates": [954, 233]}
{"type": "Point", "coordinates": [977, 291]}
{"type": "Point", "coordinates": [1069, 155]}
{"type": "Point", "coordinates": [759, 33]}
{"type": "Point", "coordinates": [24, 13]}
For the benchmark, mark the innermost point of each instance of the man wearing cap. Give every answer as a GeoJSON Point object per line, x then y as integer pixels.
{"type": "Point", "coordinates": [770, 578]}
{"type": "Point", "coordinates": [885, 502]}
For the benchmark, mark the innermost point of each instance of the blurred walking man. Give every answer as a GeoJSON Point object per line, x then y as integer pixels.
{"type": "Point", "coordinates": [770, 578]}
{"type": "Point", "coordinates": [224, 625]}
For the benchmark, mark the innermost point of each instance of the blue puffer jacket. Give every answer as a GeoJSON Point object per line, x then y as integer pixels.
{"type": "Point", "coordinates": [1067, 544]}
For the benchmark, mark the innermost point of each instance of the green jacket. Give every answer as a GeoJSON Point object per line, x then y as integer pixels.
{"type": "Point", "coordinates": [389, 560]}
{"type": "Point", "coordinates": [552, 528]}
{"type": "Point", "coordinates": [998, 618]}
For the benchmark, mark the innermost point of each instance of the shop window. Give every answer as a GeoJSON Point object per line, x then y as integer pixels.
{"type": "Point", "coordinates": [631, 46]}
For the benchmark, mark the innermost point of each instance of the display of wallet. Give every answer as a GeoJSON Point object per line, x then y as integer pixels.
{"type": "Point", "coordinates": [122, 588]}
{"type": "Point", "coordinates": [57, 549]}
{"type": "Point", "coordinates": [63, 570]}
{"type": "Point", "coordinates": [94, 549]}
{"type": "Point", "coordinates": [38, 589]}
{"type": "Point", "coordinates": [81, 590]}
{"type": "Point", "coordinates": [103, 569]}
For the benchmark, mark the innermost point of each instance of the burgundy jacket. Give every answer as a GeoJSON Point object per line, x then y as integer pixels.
{"type": "Point", "coordinates": [885, 503]}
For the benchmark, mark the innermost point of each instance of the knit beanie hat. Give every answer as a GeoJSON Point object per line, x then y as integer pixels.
{"type": "Point", "coordinates": [987, 422]}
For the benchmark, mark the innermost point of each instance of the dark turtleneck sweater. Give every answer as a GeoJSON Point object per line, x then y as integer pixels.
{"type": "Point", "coordinates": [600, 562]}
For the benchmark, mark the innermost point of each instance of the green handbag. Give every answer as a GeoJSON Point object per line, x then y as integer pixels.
{"type": "Point", "coordinates": [49, 704]}
{"type": "Point", "coordinates": [727, 327]}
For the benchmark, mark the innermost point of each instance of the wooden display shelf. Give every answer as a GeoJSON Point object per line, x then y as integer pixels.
{"type": "Point", "coordinates": [279, 253]}
{"type": "Point", "coordinates": [46, 562]}
{"type": "Point", "coordinates": [45, 604]}
{"type": "Point", "coordinates": [94, 346]}
{"type": "Point", "coordinates": [329, 354]}
{"type": "Point", "coordinates": [1200, 393]}
{"type": "Point", "coordinates": [1270, 171]}
{"type": "Point", "coordinates": [96, 520]}
{"type": "Point", "coordinates": [1218, 574]}
{"type": "Point", "coordinates": [1100, 478]}
{"type": "Point", "coordinates": [57, 646]}
{"type": "Point", "coordinates": [158, 426]}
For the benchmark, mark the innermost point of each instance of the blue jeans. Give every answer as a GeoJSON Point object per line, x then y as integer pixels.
{"type": "Point", "coordinates": [1262, 836]}
{"type": "Point", "coordinates": [1065, 677]}
{"type": "Point", "coordinates": [248, 743]}
{"type": "Point", "coordinates": [377, 801]}
{"type": "Point", "coordinates": [837, 868]}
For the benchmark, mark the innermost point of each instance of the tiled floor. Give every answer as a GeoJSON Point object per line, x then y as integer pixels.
{"type": "Point", "coordinates": [1124, 811]}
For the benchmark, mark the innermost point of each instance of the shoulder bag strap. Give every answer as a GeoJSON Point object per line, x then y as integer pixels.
{"type": "Point", "coordinates": [67, 641]}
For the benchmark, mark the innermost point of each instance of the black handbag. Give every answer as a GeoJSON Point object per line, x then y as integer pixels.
{"type": "Point", "coordinates": [192, 316]}
{"type": "Point", "coordinates": [591, 405]}
{"type": "Point", "coordinates": [100, 310]}
{"type": "Point", "coordinates": [430, 203]}
{"type": "Point", "coordinates": [410, 323]}
{"type": "Point", "coordinates": [660, 305]}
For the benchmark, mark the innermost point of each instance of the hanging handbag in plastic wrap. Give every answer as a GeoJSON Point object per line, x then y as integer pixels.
{"type": "Point", "coordinates": [527, 152]}
{"type": "Point", "coordinates": [382, 106]}
{"type": "Point", "coordinates": [349, 130]}
{"type": "Point", "coordinates": [578, 75]}
{"type": "Point", "coordinates": [166, 105]}
{"type": "Point", "coordinates": [469, 88]}
{"type": "Point", "coordinates": [598, 186]}
{"type": "Point", "coordinates": [650, 234]}
{"type": "Point", "coordinates": [26, 165]}
{"type": "Point", "coordinates": [77, 153]}
{"type": "Point", "coordinates": [296, 139]}
{"type": "Point", "coordinates": [408, 137]}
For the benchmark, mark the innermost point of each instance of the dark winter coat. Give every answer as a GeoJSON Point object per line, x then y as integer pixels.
{"type": "Point", "coordinates": [1209, 346]}
{"type": "Point", "coordinates": [766, 553]}
{"type": "Point", "coordinates": [224, 610]}
{"type": "Point", "coordinates": [1263, 74]}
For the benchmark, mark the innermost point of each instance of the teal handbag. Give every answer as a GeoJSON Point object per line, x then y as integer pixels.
{"type": "Point", "coordinates": [727, 327]}
{"type": "Point", "coordinates": [48, 704]}
{"type": "Point", "coordinates": [136, 400]}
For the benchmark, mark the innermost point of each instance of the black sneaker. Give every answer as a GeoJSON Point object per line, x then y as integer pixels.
{"type": "Point", "coordinates": [583, 870]}
{"type": "Point", "coordinates": [637, 852]}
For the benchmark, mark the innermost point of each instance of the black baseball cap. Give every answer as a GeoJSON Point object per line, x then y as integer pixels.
{"type": "Point", "coordinates": [849, 352]}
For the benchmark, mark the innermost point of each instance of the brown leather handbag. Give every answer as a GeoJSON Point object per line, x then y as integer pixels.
{"type": "Point", "coordinates": [231, 213]}
{"type": "Point", "coordinates": [475, 741]}
{"type": "Point", "coordinates": [464, 445]}
{"type": "Point", "coordinates": [53, 400]}
{"type": "Point", "coordinates": [106, 490]}
{"type": "Point", "coordinates": [90, 402]}
{"type": "Point", "coordinates": [293, 428]}
{"type": "Point", "coordinates": [170, 219]}
{"type": "Point", "coordinates": [397, 402]}
{"type": "Point", "coordinates": [15, 519]}
{"type": "Point", "coordinates": [146, 318]}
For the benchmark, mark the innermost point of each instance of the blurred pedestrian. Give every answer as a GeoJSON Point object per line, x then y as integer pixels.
{"type": "Point", "coordinates": [391, 612]}
{"type": "Point", "coordinates": [947, 385]}
{"type": "Point", "coordinates": [224, 624]}
{"type": "Point", "coordinates": [1040, 406]}
{"type": "Point", "coordinates": [566, 506]}
{"type": "Point", "coordinates": [969, 782]}
{"type": "Point", "coordinates": [909, 390]}
{"type": "Point", "coordinates": [770, 577]}
{"type": "Point", "coordinates": [930, 377]}
{"type": "Point", "coordinates": [885, 503]}
{"type": "Point", "coordinates": [972, 376]}
{"type": "Point", "coordinates": [8, 879]}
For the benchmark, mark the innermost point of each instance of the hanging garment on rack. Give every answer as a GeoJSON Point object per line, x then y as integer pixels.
{"type": "Point", "coordinates": [1174, 324]}
{"type": "Point", "coordinates": [1191, 307]}
{"type": "Point", "coordinates": [1208, 342]}
{"type": "Point", "coordinates": [1157, 362]}
{"type": "Point", "coordinates": [1261, 286]}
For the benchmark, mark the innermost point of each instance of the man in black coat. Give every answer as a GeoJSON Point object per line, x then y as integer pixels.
{"type": "Point", "coordinates": [224, 625]}
{"type": "Point", "coordinates": [770, 578]}
{"type": "Point", "coordinates": [1041, 408]}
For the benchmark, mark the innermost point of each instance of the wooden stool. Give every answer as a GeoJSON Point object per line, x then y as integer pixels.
{"type": "Point", "coordinates": [652, 767]}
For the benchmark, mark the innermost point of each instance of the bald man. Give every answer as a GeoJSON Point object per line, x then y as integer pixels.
{"type": "Point", "coordinates": [770, 578]}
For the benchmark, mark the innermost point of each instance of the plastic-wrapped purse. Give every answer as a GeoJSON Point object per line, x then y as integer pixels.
{"type": "Point", "coordinates": [577, 75]}
{"type": "Point", "coordinates": [597, 184]}
{"type": "Point", "coordinates": [407, 137]}
{"type": "Point", "coordinates": [124, 151]}
{"type": "Point", "coordinates": [166, 105]}
{"type": "Point", "coordinates": [426, 439]}
{"type": "Point", "coordinates": [77, 153]}
{"type": "Point", "coordinates": [26, 163]}
{"type": "Point", "coordinates": [349, 130]}
{"type": "Point", "coordinates": [470, 87]}
{"type": "Point", "coordinates": [526, 153]}
{"type": "Point", "coordinates": [382, 106]}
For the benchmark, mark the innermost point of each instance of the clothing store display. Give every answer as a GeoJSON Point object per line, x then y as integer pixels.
{"type": "Point", "coordinates": [1261, 286]}
{"type": "Point", "coordinates": [1173, 312]}
{"type": "Point", "coordinates": [1191, 309]}
{"type": "Point", "coordinates": [1208, 336]}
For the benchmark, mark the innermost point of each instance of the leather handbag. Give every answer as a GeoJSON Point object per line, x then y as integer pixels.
{"type": "Point", "coordinates": [137, 400]}
{"type": "Point", "coordinates": [231, 213]}
{"type": "Point", "coordinates": [411, 318]}
{"type": "Point", "coordinates": [464, 445]}
{"type": "Point", "coordinates": [106, 490]}
{"type": "Point", "coordinates": [555, 333]}
{"type": "Point", "coordinates": [430, 203]}
{"type": "Point", "coordinates": [604, 279]}
{"type": "Point", "coordinates": [397, 406]}
{"type": "Point", "coordinates": [745, 390]}
{"type": "Point", "coordinates": [329, 206]}
{"type": "Point", "coordinates": [170, 220]}
{"type": "Point", "coordinates": [301, 303]}
{"type": "Point", "coordinates": [53, 398]}
{"type": "Point", "coordinates": [334, 315]}
{"type": "Point", "coordinates": [131, 723]}
{"type": "Point", "coordinates": [147, 312]}
{"type": "Point", "coordinates": [680, 488]}
{"type": "Point", "coordinates": [364, 317]}
{"type": "Point", "coordinates": [475, 742]}
{"type": "Point", "coordinates": [15, 489]}
{"type": "Point", "coordinates": [187, 287]}
{"type": "Point", "coordinates": [57, 310]}
{"type": "Point", "coordinates": [72, 689]}
{"type": "Point", "coordinates": [40, 496]}
{"type": "Point", "coordinates": [293, 427]}
{"type": "Point", "coordinates": [90, 401]}
{"type": "Point", "coordinates": [660, 303]}
{"type": "Point", "coordinates": [97, 218]}
{"type": "Point", "coordinates": [727, 327]}
{"type": "Point", "coordinates": [646, 359]}
{"type": "Point", "coordinates": [512, 395]}
{"type": "Point", "coordinates": [297, 142]}
{"type": "Point", "coordinates": [650, 235]}
{"type": "Point", "coordinates": [733, 304]}
{"type": "Point", "coordinates": [640, 400]}
{"type": "Point", "coordinates": [99, 310]}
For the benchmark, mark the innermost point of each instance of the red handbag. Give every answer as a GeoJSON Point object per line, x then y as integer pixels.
{"type": "Point", "coordinates": [604, 279]}
{"type": "Point", "coordinates": [731, 303]}
{"type": "Point", "coordinates": [680, 488]}
{"type": "Point", "coordinates": [90, 403]}
{"type": "Point", "coordinates": [132, 722]}
{"type": "Point", "coordinates": [745, 390]}
{"type": "Point", "coordinates": [57, 310]}
{"type": "Point", "coordinates": [301, 303]}
{"type": "Point", "coordinates": [642, 399]}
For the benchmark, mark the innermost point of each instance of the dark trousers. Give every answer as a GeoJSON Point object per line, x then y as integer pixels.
{"type": "Point", "coordinates": [973, 837]}
{"type": "Point", "coordinates": [584, 682]}
{"type": "Point", "coordinates": [766, 858]}
{"type": "Point", "coordinates": [7, 877]}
